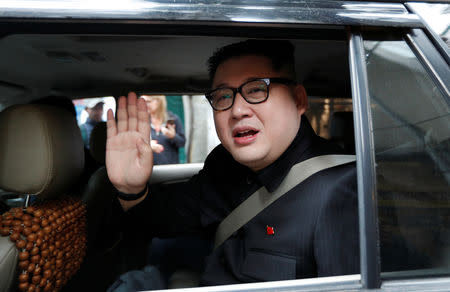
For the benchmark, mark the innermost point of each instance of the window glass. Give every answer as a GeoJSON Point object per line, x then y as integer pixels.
{"type": "Point", "coordinates": [437, 16]}
{"type": "Point", "coordinates": [411, 130]}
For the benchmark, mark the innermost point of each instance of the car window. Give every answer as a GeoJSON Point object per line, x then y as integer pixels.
{"type": "Point", "coordinates": [437, 16]}
{"type": "Point", "coordinates": [411, 131]}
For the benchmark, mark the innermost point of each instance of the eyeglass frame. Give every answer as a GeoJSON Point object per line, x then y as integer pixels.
{"type": "Point", "coordinates": [235, 90]}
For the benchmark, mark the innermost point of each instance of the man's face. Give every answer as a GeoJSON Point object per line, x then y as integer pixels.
{"type": "Point", "coordinates": [257, 134]}
{"type": "Point", "coordinates": [96, 113]}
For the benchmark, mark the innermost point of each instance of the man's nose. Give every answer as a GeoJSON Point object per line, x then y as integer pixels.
{"type": "Point", "coordinates": [240, 108]}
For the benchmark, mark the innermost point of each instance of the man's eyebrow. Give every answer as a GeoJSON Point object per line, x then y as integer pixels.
{"type": "Point", "coordinates": [221, 85]}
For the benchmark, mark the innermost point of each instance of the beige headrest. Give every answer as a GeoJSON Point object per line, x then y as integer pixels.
{"type": "Point", "coordinates": [41, 150]}
{"type": "Point", "coordinates": [97, 142]}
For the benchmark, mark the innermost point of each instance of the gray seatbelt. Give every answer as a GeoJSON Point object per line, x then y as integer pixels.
{"type": "Point", "coordinates": [262, 198]}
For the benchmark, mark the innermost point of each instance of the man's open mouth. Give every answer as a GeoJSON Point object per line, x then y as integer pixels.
{"type": "Point", "coordinates": [246, 133]}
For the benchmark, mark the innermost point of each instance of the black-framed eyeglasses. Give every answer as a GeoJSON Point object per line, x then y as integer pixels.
{"type": "Point", "coordinates": [253, 91]}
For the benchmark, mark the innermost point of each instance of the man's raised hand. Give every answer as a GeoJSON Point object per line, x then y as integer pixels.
{"type": "Point", "coordinates": [129, 158]}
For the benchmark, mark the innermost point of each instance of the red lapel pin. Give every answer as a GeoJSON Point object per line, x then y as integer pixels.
{"type": "Point", "coordinates": [270, 230]}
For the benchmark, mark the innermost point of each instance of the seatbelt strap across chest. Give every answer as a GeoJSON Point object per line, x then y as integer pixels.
{"type": "Point", "coordinates": [260, 199]}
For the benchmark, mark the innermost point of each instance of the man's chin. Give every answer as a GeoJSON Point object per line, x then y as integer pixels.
{"type": "Point", "coordinates": [250, 158]}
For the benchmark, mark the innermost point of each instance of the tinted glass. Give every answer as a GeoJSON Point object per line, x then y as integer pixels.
{"type": "Point", "coordinates": [411, 129]}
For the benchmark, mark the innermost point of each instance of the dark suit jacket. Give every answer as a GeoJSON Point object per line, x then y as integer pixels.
{"type": "Point", "coordinates": [315, 224]}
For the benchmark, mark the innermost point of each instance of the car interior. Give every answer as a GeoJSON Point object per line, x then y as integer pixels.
{"type": "Point", "coordinates": [73, 66]}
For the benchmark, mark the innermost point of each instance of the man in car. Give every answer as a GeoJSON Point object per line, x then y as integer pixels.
{"type": "Point", "coordinates": [95, 112]}
{"type": "Point", "coordinates": [259, 116]}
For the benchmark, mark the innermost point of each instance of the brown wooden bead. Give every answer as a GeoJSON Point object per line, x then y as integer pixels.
{"type": "Point", "coordinates": [36, 279]}
{"type": "Point", "coordinates": [23, 265]}
{"type": "Point", "coordinates": [27, 231]}
{"type": "Point", "coordinates": [48, 287]}
{"type": "Point", "coordinates": [47, 273]}
{"type": "Point", "coordinates": [35, 259]}
{"type": "Point", "coordinates": [31, 288]}
{"type": "Point", "coordinates": [30, 209]}
{"type": "Point", "coordinates": [4, 231]}
{"type": "Point", "coordinates": [59, 263]}
{"type": "Point", "coordinates": [17, 228]}
{"type": "Point", "coordinates": [16, 222]}
{"type": "Point", "coordinates": [19, 214]}
{"type": "Point", "coordinates": [43, 282]}
{"type": "Point", "coordinates": [14, 236]}
{"type": "Point", "coordinates": [40, 234]}
{"type": "Point", "coordinates": [37, 270]}
{"type": "Point", "coordinates": [44, 222]}
{"type": "Point", "coordinates": [21, 244]}
{"type": "Point", "coordinates": [31, 268]}
{"type": "Point", "coordinates": [34, 250]}
{"type": "Point", "coordinates": [8, 216]}
{"type": "Point", "coordinates": [47, 229]}
{"type": "Point", "coordinates": [26, 217]}
{"type": "Point", "coordinates": [29, 246]}
{"type": "Point", "coordinates": [31, 237]}
{"type": "Point", "coordinates": [38, 213]}
{"type": "Point", "coordinates": [35, 227]}
{"type": "Point", "coordinates": [23, 277]}
{"type": "Point", "coordinates": [23, 286]}
{"type": "Point", "coordinates": [39, 241]}
{"type": "Point", "coordinates": [24, 255]}
{"type": "Point", "coordinates": [45, 253]}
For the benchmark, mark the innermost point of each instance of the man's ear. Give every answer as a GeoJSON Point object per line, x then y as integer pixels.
{"type": "Point", "coordinates": [301, 99]}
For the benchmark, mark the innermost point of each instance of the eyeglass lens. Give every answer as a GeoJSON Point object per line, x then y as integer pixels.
{"type": "Point", "coordinates": [253, 92]}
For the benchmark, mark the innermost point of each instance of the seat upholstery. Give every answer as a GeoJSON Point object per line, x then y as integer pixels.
{"type": "Point", "coordinates": [97, 143]}
{"type": "Point", "coordinates": [41, 150]}
{"type": "Point", "coordinates": [41, 154]}
{"type": "Point", "coordinates": [342, 130]}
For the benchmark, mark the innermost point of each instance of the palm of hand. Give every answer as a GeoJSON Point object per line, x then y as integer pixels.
{"type": "Point", "coordinates": [129, 158]}
{"type": "Point", "coordinates": [126, 167]}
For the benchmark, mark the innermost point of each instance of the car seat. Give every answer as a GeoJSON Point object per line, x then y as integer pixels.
{"type": "Point", "coordinates": [342, 131]}
{"type": "Point", "coordinates": [41, 155]}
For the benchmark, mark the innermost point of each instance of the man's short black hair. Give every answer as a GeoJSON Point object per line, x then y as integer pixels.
{"type": "Point", "coordinates": [280, 52]}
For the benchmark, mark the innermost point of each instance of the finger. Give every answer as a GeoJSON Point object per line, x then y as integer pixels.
{"type": "Point", "coordinates": [132, 112]}
{"type": "Point", "coordinates": [111, 129]}
{"type": "Point", "coordinates": [122, 116]}
{"type": "Point", "coordinates": [143, 120]}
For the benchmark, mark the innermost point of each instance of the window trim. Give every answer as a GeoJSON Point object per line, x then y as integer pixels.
{"type": "Point", "coordinates": [256, 11]}
{"type": "Point", "coordinates": [365, 166]}
{"type": "Point", "coordinates": [430, 59]}
{"type": "Point", "coordinates": [441, 46]}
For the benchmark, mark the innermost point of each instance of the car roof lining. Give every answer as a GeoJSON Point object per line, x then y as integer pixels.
{"type": "Point", "coordinates": [94, 65]}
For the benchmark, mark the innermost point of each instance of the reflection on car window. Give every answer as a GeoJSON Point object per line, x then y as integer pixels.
{"type": "Point", "coordinates": [411, 129]}
{"type": "Point", "coordinates": [437, 16]}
